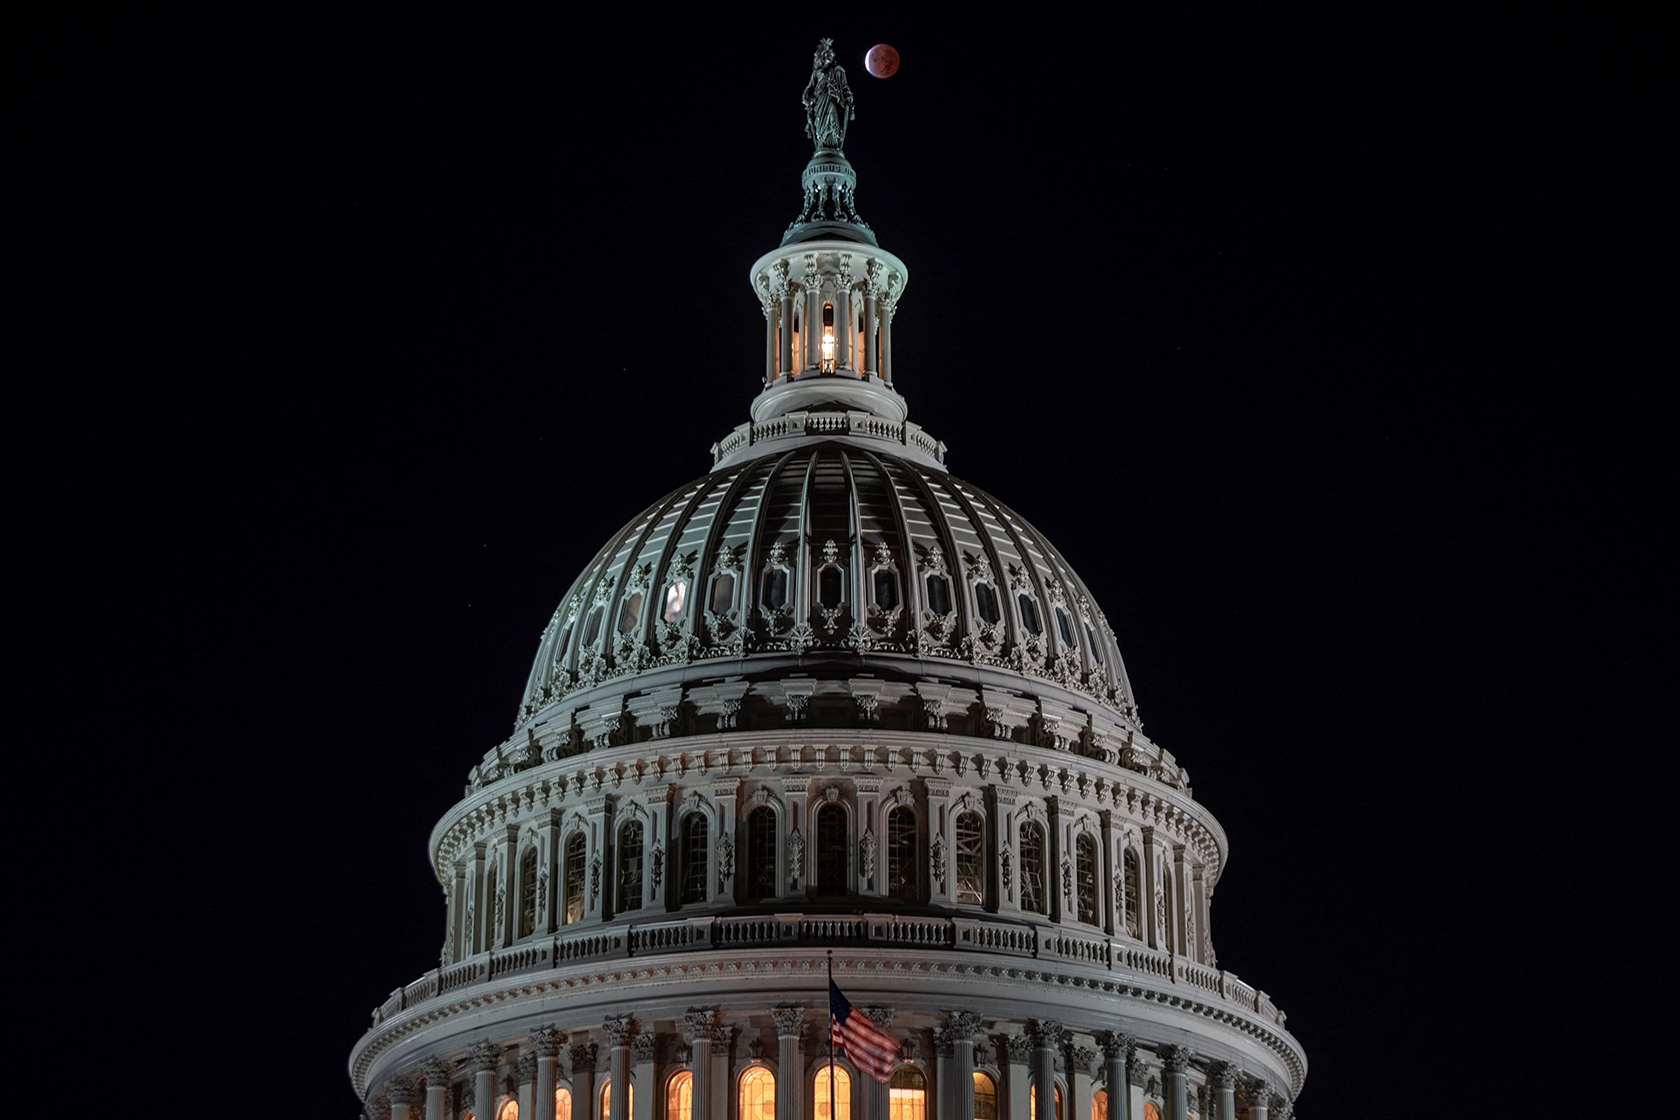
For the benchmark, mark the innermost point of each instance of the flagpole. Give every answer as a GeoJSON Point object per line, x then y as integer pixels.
{"type": "Point", "coordinates": [831, 1115]}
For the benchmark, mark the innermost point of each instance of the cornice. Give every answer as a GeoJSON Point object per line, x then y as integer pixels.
{"type": "Point", "coordinates": [636, 982]}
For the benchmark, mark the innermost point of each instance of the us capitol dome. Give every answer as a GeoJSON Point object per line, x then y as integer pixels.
{"type": "Point", "coordinates": [827, 697]}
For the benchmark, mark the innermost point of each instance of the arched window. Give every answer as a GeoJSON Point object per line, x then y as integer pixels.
{"type": "Point", "coordinates": [1167, 941]}
{"type": "Point", "coordinates": [562, 1103]}
{"type": "Point", "coordinates": [842, 1097]}
{"type": "Point", "coordinates": [1099, 1105]}
{"type": "Point", "coordinates": [630, 866]}
{"type": "Point", "coordinates": [605, 1098]}
{"type": "Point", "coordinates": [1032, 1103]}
{"type": "Point", "coordinates": [832, 850]}
{"type": "Point", "coordinates": [758, 1095]}
{"type": "Point", "coordinates": [1150, 1112]}
{"type": "Point", "coordinates": [573, 898]}
{"type": "Point", "coordinates": [679, 1096]}
{"type": "Point", "coordinates": [901, 853]}
{"type": "Point", "coordinates": [490, 907]}
{"type": "Point", "coordinates": [1032, 868]}
{"type": "Point", "coordinates": [528, 892]}
{"type": "Point", "coordinates": [508, 1111]}
{"type": "Point", "coordinates": [761, 853]}
{"type": "Point", "coordinates": [693, 857]}
{"type": "Point", "coordinates": [907, 1094]}
{"type": "Point", "coordinates": [971, 859]}
{"type": "Point", "coordinates": [1129, 864]}
{"type": "Point", "coordinates": [985, 1097]}
{"type": "Point", "coordinates": [1085, 878]}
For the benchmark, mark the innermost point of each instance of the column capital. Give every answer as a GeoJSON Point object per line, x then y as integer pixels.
{"type": "Point", "coordinates": [1256, 1090]}
{"type": "Point", "coordinates": [547, 1041]}
{"type": "Point", "coordinates": [525, 1069]}
{"type": "Point", "coordinates": [1020, 1048]}
{"type": "Point", "coordinates": [379, 1107]}
{"type": "Point", "coordinates": [620, 1029]}
{"type": "Point", "coordinates": [1177, 1059]}
{"type": "Point", "coordinates": [1222, 1075]}
{"type": "Point", "coordinates": [1282, 1108]}
{"type": "Point", "coordinates": [1082, 1059]}
{"type": "Point", "coordinates": [697, 1024]}
{"type": "Point", "coordinates": [720, 1037]}
{"type": "Point", "coordinates": [881, 1016]}
{"type": "Point", "coordinates": [404, 1090]}
{"type": "Point", "coordinates": [583, 1056]}
{"type": "Point", "coordinates": [963, 1024]}
{"type": "Point", "coordinates": [1046, 1033]}
{"type": "Point", "coordinates": [437, 1073]}
{"type": "Point", "coordinates": [788, 1020]}
{"type": "Point", "coordinates": [945, 1042]}
{"type": "Point", "coordinates": [1116, 1044]}
{"type": "Point", "coordinates": [642, 1046]}
{"type": "Point", "coordinates": [484, 1056]}
{"type": "Point", "coordinates": [1136, 1074]}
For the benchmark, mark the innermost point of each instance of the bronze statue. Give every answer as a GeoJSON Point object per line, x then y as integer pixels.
{"type": "Point", "coordinates": [827, 100]}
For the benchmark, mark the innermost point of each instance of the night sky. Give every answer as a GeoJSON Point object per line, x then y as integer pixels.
{"type": "Point", "coordinates": [1326, 352]}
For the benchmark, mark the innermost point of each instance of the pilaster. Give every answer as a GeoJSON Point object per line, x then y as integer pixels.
{"type": "Point", "coordinates": [642, 1049]}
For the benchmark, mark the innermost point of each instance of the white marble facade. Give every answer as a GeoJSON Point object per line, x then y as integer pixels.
{"type": "Point", "coordinates": [827, 699]}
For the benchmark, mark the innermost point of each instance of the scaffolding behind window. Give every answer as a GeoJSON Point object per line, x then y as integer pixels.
{"type": "Point", "coordinates": [1032, 868]}
{"type": "Point", "coordinates": [693, 859]}
{"type": "Point", "coordinates": [901, 853]}
{"type": "Point", "coordinates": [527, 892]}
{"type": "Point", "coordinates": [971, 859]}
{"type": "Point", "coordinates": [1085, 878]}
{"type": "Point", "coordinates": [575, 846]}
{"type": "Point", "coordinates": [630, 866]}
{"type": "Point", "coordinates": [832, 850]}
{"type": "Point", "coordinates": [761, 853]}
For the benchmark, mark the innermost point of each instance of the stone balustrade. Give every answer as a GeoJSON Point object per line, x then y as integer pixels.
{"type": "Point", "coordinates": [798, 424]}
{"type": "Point", "coordinates": [902, 932]}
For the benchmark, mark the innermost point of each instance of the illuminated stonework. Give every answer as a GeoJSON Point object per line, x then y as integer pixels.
{"type": "Point", "coordinates": [827, 697]}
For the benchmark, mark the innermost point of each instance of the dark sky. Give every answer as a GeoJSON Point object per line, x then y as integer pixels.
{"type": "Point", "coordinates": [1326, 350]}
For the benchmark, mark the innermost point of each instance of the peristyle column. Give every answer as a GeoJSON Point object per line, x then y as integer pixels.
{"type": "Point", "coordinates": [1047, 1039]}
{"type": "Point", "coordinates": [789, 1022]}
{"type": "Point", "coordinates": [964, 1025]}
{"type": "Point", "coordinates": [483, 1059]}
{"type": "Point", "coordinates": [437, 1072]}
{"type": "Point", "coordinates": [620, 1029]}
{"type": "Point", "coordinates": [546, 1041]}
{"type": "Point", "coordinates": [405, 1094]}
{"type": "Point", "coordinates": [697, 1028]}
{"type": "Point", "coordinates": [1259, 1097]}
{"type": "Point", "coordinates": [1176, 1060]}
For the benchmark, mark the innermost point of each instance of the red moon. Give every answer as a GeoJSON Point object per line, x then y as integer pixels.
{"type": "Point", "coordinates": [881, 61]}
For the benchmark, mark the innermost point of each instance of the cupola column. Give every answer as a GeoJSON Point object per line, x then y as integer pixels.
{"type": "Point", "coordinates": [785, 327]}
{"type": "Point", "coordinates": [888, 307]}
{"type": "Point", "coordinates": [1047, 1039]}
{"type": "Point", "coordinates": [697, 1029]}
{"type": "Point", "coordinates": [843, 314]}
{"type": "Point", "coordinates": [770, 311]}
{"type": "Point", "coordinates": [547, 1042]}
{"type": "Point", "coordinates": [813, 313]}
{"type": "Point", "coordinates": [436, 1072]}
{"type": "Point", "coordinates": [483, 1060]}
{"type": "Point", "coordinates": [1176, 1060]}
{"type": "Point", "coordinates": [869, 302]}
{"type": "Point", "coordinates": [1117, 1050]}
{"type": "Point", "coordinates": [790, 1082]}
{"type": "Point", "coordinates": [1259, 1097]}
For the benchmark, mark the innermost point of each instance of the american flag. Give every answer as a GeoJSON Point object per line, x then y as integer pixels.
{"type": "Point", "coordinates": [870, 1048]}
